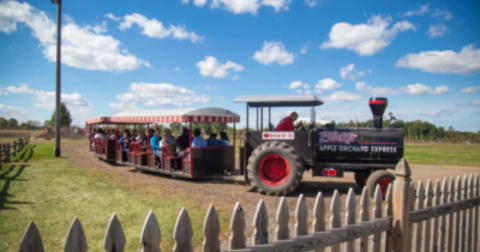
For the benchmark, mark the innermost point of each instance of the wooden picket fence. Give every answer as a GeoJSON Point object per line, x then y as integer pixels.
{"type": "Point", "coordinates": [7, 150]}
{"type": "Point", "coordinates": [441, 217]}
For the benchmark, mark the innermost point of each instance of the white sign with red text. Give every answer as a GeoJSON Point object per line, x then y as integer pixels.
{"type": "Point", "coordinates": [278, 135]}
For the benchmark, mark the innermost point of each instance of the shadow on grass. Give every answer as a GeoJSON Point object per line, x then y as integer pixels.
{"type": "Point", "coordinates": [4, 195]}
{"type": "Point", "coordinates": [27, 154]}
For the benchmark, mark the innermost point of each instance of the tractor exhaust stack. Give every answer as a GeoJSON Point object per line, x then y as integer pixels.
{"type": "Point", "coordinates": [378, 106]}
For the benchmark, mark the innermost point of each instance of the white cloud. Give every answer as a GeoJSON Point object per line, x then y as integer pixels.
{"type": "Point", "coordinates": [178, 69]}
{"type": "Point", "coordinates": [221, 97]}
{"type": "Point", "coordinates": [350, 73]}
{"type": "Point", "coordinates": [437, 30]}
{"type": "Point", "coordinates": [308, 91]}
{"type": "Point", "coordinates": [365, 39]}
{"type": "Point", "coordinates": [475, 103]}
{"type": "Point", "coordinates": [459, 104]}
{"type": "Point", "coordinates": [431, 114]}
{"type": "Point", "coordinates": [124, 106]}
{"type": "Point", "coordinates": [299, 91]}
{"type": "Point", "coordinates": [295, 84]}
{"type": "Point", "coordinates": [199, 3]}
{"type": "Point", "coordinates": [304, 49]}
{"type": "Point", "coordinates": [318, 91]}
{"type": "Point", "coordinates": [161, 94]}
{"type": "Point", "coordinates": [248, 6]}
{"type": "Point", "coordinates": [344, 108]}
{"type": "Point", "coordinates": [445, 14]}
{"type": "Point", "coordinates": [375, 91]}
{"type": "Point", "coordinates": [236, 77]}
{"type": "Point", "coordinates": [78, 105]}
{"type": "Point", "coordinates": [341, 96]}
{"type": "Point", "coordinates": [311, 3]}
{"type": "Point", "coordinates": [471, 90]}
{"type": "Point", "coordinates": [273, 52]}
{"type": "Point", "coordinates": [419, 89]}
{"type": "Point", "coordinates": [443, 112]}
{"type": "Point", "coordinates": [306, 86]}
{"type": "Point", "coordinates": [21, 89]}
{"type": "Point", "coordinates": [208, 87]}
{"type": "Point", "coordinates": [155, 29]}
{"type": "Point", "coordinates": [212, 68]}
{"type": "Point", "coordinates": [111, 16]}
{"type": "Point", "coordinates": [412, 89]}
{"type": "Point", "coordinates": [420, 11]}
{"type": "Point", "coordinates": [3, 92]}
{"type": "Point", "coordinates": [10, 111]}
{"type": "Point", "coordinates": [465, 62]}
{"type": "Point", "coordinates": [327, 84]}
{"type": "Point", "coordinates": [82, 46]}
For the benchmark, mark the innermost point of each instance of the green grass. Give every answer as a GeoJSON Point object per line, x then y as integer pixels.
{"type": "Point", "coordinates": [52, 191]}
{"type": "Point", "coordinates": [443, 154]}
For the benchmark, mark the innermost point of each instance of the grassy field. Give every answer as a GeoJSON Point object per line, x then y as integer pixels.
{"type": "Point", "coordinates": [443, 154]}
{"type": "Point", "coordinates": [51, 192]}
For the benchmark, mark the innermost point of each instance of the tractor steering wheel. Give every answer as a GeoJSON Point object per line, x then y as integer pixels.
{"type": "Point", "coordinates": [301, 127]}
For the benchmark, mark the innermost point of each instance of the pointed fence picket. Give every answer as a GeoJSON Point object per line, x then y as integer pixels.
{"type": "Point", "coordinates": [437, 219]}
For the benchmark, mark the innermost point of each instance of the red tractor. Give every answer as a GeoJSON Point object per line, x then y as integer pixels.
{"type": "Point", "coordinates": [274, 161]}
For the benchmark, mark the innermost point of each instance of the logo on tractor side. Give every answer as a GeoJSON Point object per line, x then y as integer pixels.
{"type": "Point", "coordinates": [278, 136]}
{"type": "Point", "coordinates": [335, 137]}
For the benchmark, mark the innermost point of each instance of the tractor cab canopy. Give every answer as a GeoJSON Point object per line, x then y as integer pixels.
{"type": "Point", "coordinates": [268, 101]}
{"type": "Point", "coordinates": [279, 100]}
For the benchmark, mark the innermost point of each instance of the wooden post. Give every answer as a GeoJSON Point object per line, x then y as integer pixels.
{"type": "Point", "coordinates": [7, 153]}
{"type": "Point", "coordinates": [401, 208]}
{"type": "Point", "coordinates": [14, 148]}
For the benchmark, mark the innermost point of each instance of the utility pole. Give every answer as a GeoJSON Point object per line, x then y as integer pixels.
{"type": "Point", "coordinates": [58, 86]}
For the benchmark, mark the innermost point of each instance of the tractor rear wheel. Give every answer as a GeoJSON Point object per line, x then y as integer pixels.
{"type": "Point", "coordinates": [382, 178]}
{"type": "Point", "coordinates": [361, 177]}
{"type": "Point", "coordinates": [275, 168]}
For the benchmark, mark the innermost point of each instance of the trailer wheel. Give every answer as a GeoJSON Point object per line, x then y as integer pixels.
{"type": "Point", "coordinates": [361, 177]}
{"type": "Point", "coordinates": [275, 168]}
{"type": "Point", "coordinates": [382, 178]}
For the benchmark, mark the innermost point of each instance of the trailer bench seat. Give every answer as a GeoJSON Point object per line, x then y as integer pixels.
{"type": "Point", "coordinates": [207, 161]}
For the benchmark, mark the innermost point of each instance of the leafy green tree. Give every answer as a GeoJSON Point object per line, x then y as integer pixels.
{"type": "Point", "coordinates": [219, 127]}
{"type": "Point", "coordinates": [65, 117]}
{"type": "Point", "coordinates": [175, 127]}
{"type": "Point", "coordinates": [12, 123]}
{"type": "Point", "coordinates": [3, 123]}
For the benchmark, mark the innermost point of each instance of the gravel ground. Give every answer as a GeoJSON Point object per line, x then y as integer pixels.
{"type": "Point", "coordinates": [224, 194]}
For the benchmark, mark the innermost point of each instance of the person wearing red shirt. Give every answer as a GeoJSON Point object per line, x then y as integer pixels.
{"type": "Point", "coordinates": [286, 124]}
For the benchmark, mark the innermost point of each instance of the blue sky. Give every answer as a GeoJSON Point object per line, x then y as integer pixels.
{"type": "Point", "coordinates": [118, 55]}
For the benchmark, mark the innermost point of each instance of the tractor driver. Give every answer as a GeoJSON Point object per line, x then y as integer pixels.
{"type": "Point", "coordinates": [286, 124]}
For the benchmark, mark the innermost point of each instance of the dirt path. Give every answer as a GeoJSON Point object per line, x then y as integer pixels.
{"type": "Point", "coordinates": [224, 194]}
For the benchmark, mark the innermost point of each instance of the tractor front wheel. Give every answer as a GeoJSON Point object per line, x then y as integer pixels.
{"type": "Point", "coordinates": [275, 168]}
{"type": "Point", "coordinates": [381, 178]}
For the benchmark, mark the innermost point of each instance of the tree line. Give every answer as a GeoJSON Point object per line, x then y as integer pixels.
{"type": "Point", "coordinates": [422, 131]}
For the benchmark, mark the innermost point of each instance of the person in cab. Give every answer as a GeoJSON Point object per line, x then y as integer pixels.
{"type": "Point", "coordinates": [286, 124]}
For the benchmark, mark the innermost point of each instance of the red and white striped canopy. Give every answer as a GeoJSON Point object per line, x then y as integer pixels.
{"type": "Point", "coordinates": [98, 120]}
{"type": "Point", "coordinates": [214, 115]}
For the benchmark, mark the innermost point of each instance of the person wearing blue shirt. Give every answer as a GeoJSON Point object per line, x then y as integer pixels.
{"type": "Point", "coordinates": [155, 144]}
{"type": "Point", "coordinates": [213, 141]}
{"type": "Point", "coordinates": [198, 140]}
{"type": "Point", "coordinates": [124, 141]}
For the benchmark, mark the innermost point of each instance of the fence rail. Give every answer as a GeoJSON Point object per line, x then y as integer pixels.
{"type": "Point", "coordinates": [445, 218]}
{"type": "Point", "coordinates": [7, 150]}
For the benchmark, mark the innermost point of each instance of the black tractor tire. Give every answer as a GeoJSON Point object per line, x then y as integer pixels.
{"type": "Point", "coordinates": [361, 177]}
{"type": "Point", "coordinates": [381, 178]}
{"type": "Point", "coordinates": [284, 178]}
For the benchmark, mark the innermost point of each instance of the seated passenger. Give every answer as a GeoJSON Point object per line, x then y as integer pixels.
{"type": "Point", "coordinates": [155, 145]}
{"type": "Point", "coordinates": [198, 140]}
{"type": "Point", "coordinates": [213, 141]}
{"type": "Point", "coordinates": [142, 140]}
{"type": "Point", "coordinates": [124, 141]}
{"type": "Point", "coordinates": [224, 138]}
{"type": "Point", "coordinates": [169, 142]}
{"type": "Point", "coordinates": [183, 141]}
{"type": "Point", "coordinates": [286, 124]}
